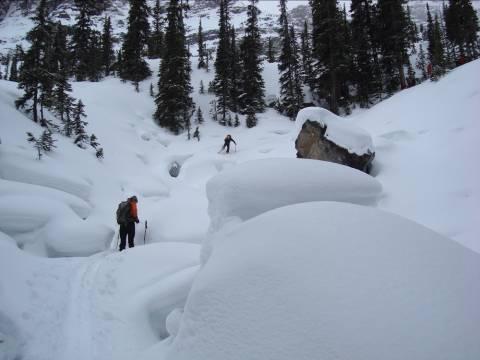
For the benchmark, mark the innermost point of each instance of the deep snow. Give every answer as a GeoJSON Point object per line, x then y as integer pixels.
{"type": "Point", "coordinates": [113, 305]}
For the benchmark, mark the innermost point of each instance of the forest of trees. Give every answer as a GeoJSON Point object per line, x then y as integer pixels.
{"type": "Point", "coordinates": [344, 58]}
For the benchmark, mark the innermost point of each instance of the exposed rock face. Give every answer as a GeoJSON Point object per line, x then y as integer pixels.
{"type": "Point", "coordinates": [311, 143]}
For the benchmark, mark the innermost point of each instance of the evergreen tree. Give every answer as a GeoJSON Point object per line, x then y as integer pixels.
{"type": "Point", "coordinates": [95, 51]}
{"type": "Point", "coordinates": [45, 143]}
{"type": "Point", "coordinates": [152, 92]}
{"type": "Point", "coordinates": [251, 118]}
{"type": "Point", "coordinates": [222, 81]}
{"type": "Point", "coordinates": [35, 78]}
{"type": "Point", "coordinates": [328, 51]}
{"type": "Point", "coordinates": [108, 55]}
{"type": "Point", "coordinates": [174, 104]}
{"type": "Point", "coordinates": [157, 37]}
{"type": "Point", "coordinates": [306, 51]}
{"type": "Point", "coordinates": [437, 56]}
{"type": "Point", "coordinates": [201, 47]}
{"type": "Point", "coordinates": [366, 75]}
{"type": "Point", "coordinates": [412, 31]}
{"type": "Point", "coordinates": [411, 80]}
{"type": "Point", "coordinates": [422, 63]}
{"type": "Point", "coordinates": [78, 125]}
{"type": "Point", "coordinates": [462, 28]}
{"type": "Point", "coordinates": [81, 39]}
{"type": "Point", "coordinates": [235, 72]}
{"type": "Point", "coordinates": [93, 141]}
{"type": "Point", "coordinates": [253, 86]}
{"type": "Point", "coordinates": [237, 121]}
{"type": "Point", "coordinates": [14, 67]}
{"type": "Point", "coordinates": [7, 66]}
{"type": "Point", "coordinates": [393, 38]}
{"type": "Point", "coordinates": [99, 153]}
{"type": "Point", "coordinates": [270, 51]}
{"type": "Point", "coordinates": [291, 94]}
{"type": "Point", "coordinates": [202, 88]}
{"type": "Point", "coordinates": [199, 120]}
{"type": "Point", "coordinates": [134, 68]}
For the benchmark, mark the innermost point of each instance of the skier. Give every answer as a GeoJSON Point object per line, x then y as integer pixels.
{"type": "Point", "coordinates": [127, 216]}
{"type": "Point", "coordinates": [196, 134]}
{"type": "Point", "coordinates": [228, 140]}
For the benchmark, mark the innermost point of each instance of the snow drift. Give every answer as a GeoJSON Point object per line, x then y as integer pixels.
{"type": "Point", "coordinates": [333, 281]}
{"type": "Point", "coordinates": [255, 187]}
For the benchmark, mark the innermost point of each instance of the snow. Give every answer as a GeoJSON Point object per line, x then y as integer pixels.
{"type": "Point", "coordinates": [254, 187]}
{"type": "Point", "coordinates": [348, 136]}
{"type": "Point", "coordinates": [282, 279]}
{"type": "Point", "coordinates": [332, 281]}
{"type": "Point", "coordinates": [426, 139]}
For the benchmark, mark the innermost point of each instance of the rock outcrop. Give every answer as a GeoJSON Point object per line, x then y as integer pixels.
{"type": "Point", "coordinates": [312, 143]}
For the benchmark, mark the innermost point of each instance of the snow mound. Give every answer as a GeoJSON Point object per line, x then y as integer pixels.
{"type": "Point", "coordinates": [333, 281]}
{"type": "Point", "coordinates": [254, 187]}
{"type": "Point", "coordinates": [79, 206]}
{"type": "Point", "coordinates": [339, 131]}
{"type": "Point", "coordinates": [76, 237]}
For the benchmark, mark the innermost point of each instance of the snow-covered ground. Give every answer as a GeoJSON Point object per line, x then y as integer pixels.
{"type": "Point", "coordinates": [66, 294]}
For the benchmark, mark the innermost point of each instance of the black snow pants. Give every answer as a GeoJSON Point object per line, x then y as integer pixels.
{"type": "Point", "coordinates": [127, 230]}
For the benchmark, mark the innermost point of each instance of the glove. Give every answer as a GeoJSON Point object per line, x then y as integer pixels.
{"type": "Point", "coordinates": [137, 221]}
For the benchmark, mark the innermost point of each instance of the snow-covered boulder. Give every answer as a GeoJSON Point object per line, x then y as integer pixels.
{"type": "Point", "coordinates": [325, 136]}
{"type": "Point", "coordinates": [328, 280]}
{"type": "Point", "coordinates": [254, 187]}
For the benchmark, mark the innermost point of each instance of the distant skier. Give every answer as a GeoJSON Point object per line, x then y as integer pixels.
{"type": "Point", "coordinates": [127, 216]}
{"type": "Point", "coordinates": [228, 140]}
{"type": "Point", "coordinates": [196, 134]}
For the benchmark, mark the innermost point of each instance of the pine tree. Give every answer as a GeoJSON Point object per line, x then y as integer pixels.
{"type": "Point", "coordinates": [174, 103]}
{"type": "Point", "coordinates": [199, 120]}
{"type": "Point", "coordinates": [99, 153]}
{"type": "Point", "coordinates": [134, 67]}
{"type": "Point", "coordinates": [252, 97]}
{"type": "Point", "coordinates": [462, 28]}
{"type": "Point", "coordinates": [7, 66]}
{"type": "Point", "coordinates": [270, 51]}
{"type": "Point", "coordinates": [328, 51]}
{"type": "Point", "coordinates": [78, 125]}
{"type": "Point", "coordinates": [235, 72]}
{"type": "Point", "coordinates": [45, 143]}
{"type": "Point", "coordinates": [412, 31]}
{"type": "Point", "coordinates": [81, 39]}
{"type": "Point", "coordinates": [411, 80]}
{"type": "Point", "coordinates": [35, 78]}
{"type": "Point", "coordinates": [366, 73]}
{"type": "Point", "coordinates": [108, 55]}
{"type": "Point", "coordinates": [201, 47]}
{"type": "Point", "coordinates": [437, 57]}
{"type": "Point", "coordinates": [202, 88]}
{"type": "Point", "coordinates": [422, 63]}
{"type": "Point", "coordinates": [14, 66]}
{"type": "Point", "coordinates": [222, 81]}
{"type": "Point", "coordinates": [93, 141]}
{"type": "Point", "coordinates": [291, 94]}
{"type": "Point", "coordinates": [251, 118]}
{"type": "Point", "coordinates": [393, 38]}
{"type": "Point", "coordinates": [237, 121]}
{"type": "Point", "coordinates": [306, 51]}
{"type": "Point", "coordinates": [157, 37]}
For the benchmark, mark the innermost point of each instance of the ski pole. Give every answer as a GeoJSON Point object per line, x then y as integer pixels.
{"type": "Point", "coordinates": [145, 233]}
{"type": "Point", "coordinates": [118, 240]}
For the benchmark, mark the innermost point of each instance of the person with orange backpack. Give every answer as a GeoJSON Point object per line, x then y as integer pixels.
{"type": "Point", "coordinates": [127, 216]}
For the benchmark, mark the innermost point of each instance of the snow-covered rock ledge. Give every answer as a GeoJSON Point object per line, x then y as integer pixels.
{"type": "Point", "coordinates": [326, 280]}
{"type": "Point", "coordinates": [249, 189]}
